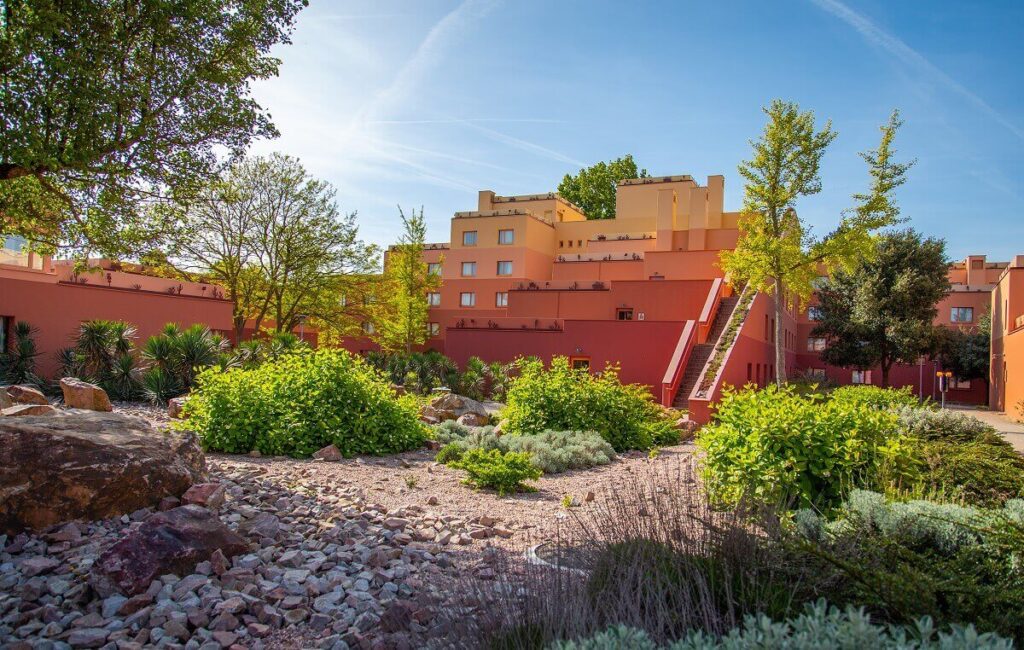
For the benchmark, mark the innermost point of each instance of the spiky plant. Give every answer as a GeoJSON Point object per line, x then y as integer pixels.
{"type": "Point", "coordinates": [158, 385]}
{"type": "Point", "coordinates": [17, 365]}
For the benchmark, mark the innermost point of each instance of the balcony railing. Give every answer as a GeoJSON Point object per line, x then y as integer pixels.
{"type": "Point", "coordinates": [596, 285]}
{"type": "Point", "coordinates": [598, 257]}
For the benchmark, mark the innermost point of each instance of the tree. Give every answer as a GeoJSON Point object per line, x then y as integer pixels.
{"type": "Point", "coordinates": [776, 252]}
{"type": "Point", "coordinates": [882, 312]}
{"type": "Point", "coordinates": [965, 350]}
{"type": "Point", "coordinates": [400, 317]}
{"type": "Point", "coordinates": [272, 236]}
{"type": "Point", "coordinates": [593, 188]}
{"type": "Point", "coordinates": [109, 105]}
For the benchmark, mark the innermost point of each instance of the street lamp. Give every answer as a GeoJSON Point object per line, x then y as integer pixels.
{"type": "Point", "coordinates": [944, 377]}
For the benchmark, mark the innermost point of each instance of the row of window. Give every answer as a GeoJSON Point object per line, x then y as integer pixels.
{"type": "Point", "coordinates": [864, 377]}
{"type": "Point", "coordinates": [468, 299]}
{"type": "Point", "coordinates": [956, 314]}
{"type": "Point", "coordinates": [505, 237]}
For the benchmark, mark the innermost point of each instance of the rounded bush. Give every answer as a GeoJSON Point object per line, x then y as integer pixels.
{"type": "Point", "coordinates": [300, 403]}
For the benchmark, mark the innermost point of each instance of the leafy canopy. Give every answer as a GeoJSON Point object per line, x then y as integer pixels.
{"type": "Point", "coordinates": [106, 106]}
{"type": "Point", "coordinates": [592, 189]}
{"type": "Point", "coordinates": [881, 313]}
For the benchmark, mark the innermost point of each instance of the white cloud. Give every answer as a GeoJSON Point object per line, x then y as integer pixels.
{"type": "Point", "coordinates": [913, 59]}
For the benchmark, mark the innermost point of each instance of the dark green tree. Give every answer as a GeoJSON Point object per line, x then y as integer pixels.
{"type": "Point", "coordinates": [593, 188]}
{"type": "Point", "coordinates": [881, 313]}
{"type": "Point", "coordinates": [109, 105]}
{"type": "Point", "coordinates": [965, 350]}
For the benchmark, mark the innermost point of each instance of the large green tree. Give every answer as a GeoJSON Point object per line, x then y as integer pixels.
{"type": "Point", "coordinates": [776, 252]}
{"type": "Point", "coordinates": [881, 313]}
{"type": "Point", "coordinates": [400, 316]}
{"type": "Point", "coordinates": [108, 105]}
{"type": "Point", "coordinates": [593, 188]}
{"type": "Point", "coordinates": [965, 351]}
{"type": "Point", "coordinates": [273, 237]}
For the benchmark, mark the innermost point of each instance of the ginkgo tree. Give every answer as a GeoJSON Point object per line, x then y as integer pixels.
{"type": "Point", "coordinates": [777, 252]}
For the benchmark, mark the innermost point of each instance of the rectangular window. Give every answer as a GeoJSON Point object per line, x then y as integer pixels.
{"type": "Point", "coordinates": [501, 299]}
{"type": "Point", "coordinates": [861, 377]}
{"type": "Point", "coordinates": [624, 314]}
{"type": "Point", "coordinates": [505, 268]}
{"type": "Point", "coordinates": [368, 328]}
{"type": "Point", "coordinates": [434, 299]}
{"type": "Point", "coordinates": [814, 313]}
{"type": "Point", "coordinates": [434, 268]}
{"type": "Point", "coordinates": [815, 344]}
{"type": "Point", "coordinates": [433, 329]}
{"type": "Point", "coordinates": [467, 299]}
{"type": "Point", "coordinates": [817, 374]}
{"type": "Point", "coordinates": [468, 269]}
{"type": "Point", "coordinates": [506, 237]}
{"type": "Point", "coordinates": [469, 238]}
{"type": "Point", "coordinates": [580, 363]}
{"type": "Point", "coordinates": [961, 315]}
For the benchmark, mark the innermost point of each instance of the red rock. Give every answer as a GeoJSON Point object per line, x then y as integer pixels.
{"type": "Point", "coordinates": [210, 495]}
{"type": "Point", "coordinates": [174, 406]}
{"type": "Point", "coordinates": [21, 410]}
{"type": "Point", "coordinates": [329, 453]}
{"type": "Point", "coordinates": [168, 542]}
{"type": "Point", "coordinates": [80, 394]}
{"type": "Point", "coordinates": [89, 465]}
{"type": "Point", "coordinates": [26, 395]}
{"type": "Point", "coordinates": [167, 503]}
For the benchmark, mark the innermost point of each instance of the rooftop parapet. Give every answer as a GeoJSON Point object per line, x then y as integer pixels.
{"type": "Point", "coordinates": [650, 180]}
{"type": "Point", "coordinates": [513, 212]}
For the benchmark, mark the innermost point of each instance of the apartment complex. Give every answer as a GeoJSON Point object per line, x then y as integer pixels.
{"type": "Point", "coordinates": [1006, 388]}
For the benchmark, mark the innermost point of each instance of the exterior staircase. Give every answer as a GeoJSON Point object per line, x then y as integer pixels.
{"type": "Point", "coordinates": [702, 351]}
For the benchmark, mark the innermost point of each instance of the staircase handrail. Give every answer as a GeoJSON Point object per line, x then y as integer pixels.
{"type": "Point", "coordinates": [677, 363]}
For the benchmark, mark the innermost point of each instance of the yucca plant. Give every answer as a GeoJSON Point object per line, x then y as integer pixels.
{"type": "Point", "coordinates": [159, 385]}
{"type": "Point", "coordinates": [17, 365]}
{"type": "Point", "coordinates": [123, 379]}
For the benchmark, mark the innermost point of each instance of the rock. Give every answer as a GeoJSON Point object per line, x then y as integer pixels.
{"type": "Point", "coordinates": [5, 400]}
{"type": "Point", "coordinates": [209, 495]}
{"type": "Point", "coordinates": [473, 420]}
{"type": "Point", "coordinates": [26, 395]}
{"type": "Point", "coordinates": [589, 496]}
{"type": "Point", "coordinates": [80, 394]}
{"type": "Point", "coordinates": [34, 566]}
{"type": "Point", "coordinates": [171, 542]}
{"type": "Point", "coordinates": [89, 465]}
{"type": "Point", "coordinates": [167, 503]}
{"type": "Point", "coordinates": [397, 616]}
{"type": "Point", "coordinates": [501, 428]}
{"type": "Point", "coordinates": [449, 406]}
{"type": "Point", "coordinates": [687, 428]}
{"type": "Point", "coordinates": [262, 525]}
{"type": "Point", "coordinates": [328, 453]}
{"type": "Point", "coordinates": [174, 406]}
{"type": "Point", "coordinates": [90, 637]}
{"type": "Point", "coordinates": [20, 410]}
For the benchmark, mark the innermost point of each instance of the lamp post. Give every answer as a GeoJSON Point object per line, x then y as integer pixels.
{"type": "Point", "coordinates": [944, 377]}
{"type": "Point", "coordinates": [302, 324]}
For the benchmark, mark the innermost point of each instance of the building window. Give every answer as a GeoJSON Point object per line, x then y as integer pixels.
{"type": "Point", "coordinates": [815, 344]}
{"type": "Point", "coordinates": [368, 328]}
{"type": "Point", "coordinates": [817, 374]}
{"type": "Point", "coordinates": [580, 363]}
{"type": "Point", "coordinates": [506, 237]}
{"type": "Point", "coordinates": [433, 329]}
{"type": "Point", "coordinates": [625, 313]}
{"type": "Point", "coordinates": [468, 269]}
{"type": "Point", "coordinates": [501, 299]}
{"type": "Point", "coordinates": [434, 299]}
{"type": "Point", "coordinates": [579, 243]}
{"type": "Point", "coordinates": [961, 314]}
{"type": "Point", "coordinates": [561, 243]}
{"type": "Point", "coordinates": [814, 313]}
{"type": "Point", "coordinates": [434, 268]}
{"type": "Point", "coordinates": [861, 377]}
{"type": "Point", "coordinates": [469, 238]}
{"type": "Point", "coordinates": [467, 299]}
{"type": "Point", "coordinates": [505, 268]}
{"type": "Point", "coordinates": [959, 384]}
{"type": "Point", "coordinates": [570, 243]}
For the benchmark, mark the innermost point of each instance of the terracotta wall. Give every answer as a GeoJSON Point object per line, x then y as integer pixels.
{"type": "Point", "coordinates": [57, 309]}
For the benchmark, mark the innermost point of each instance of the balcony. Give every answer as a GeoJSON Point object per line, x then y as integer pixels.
{"type": "Point", "coordinates": [599, 257]}
{"type": "Point", "coordinates": [596, 285]}
{"type": "Point", "coordinates": [511, 324]}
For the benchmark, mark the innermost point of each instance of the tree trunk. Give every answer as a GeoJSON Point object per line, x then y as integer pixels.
{"type": "Point", "coordinates": [780, 343]}
{"type": "Point", "coordinates": [885, 374]}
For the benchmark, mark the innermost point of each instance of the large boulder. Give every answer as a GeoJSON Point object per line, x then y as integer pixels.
{"type": "Point", "coordinates": [89, 465]}
{"type": "Point", "coordinates": [171, 542]}
{"type": "Point", "coordinates": [449, 406]}
{"type": "Point", "coordinates": [80, 394]}
{"type": "Point", "coordinates": [26, 395]}
{"type": "Point", "coordinates": [21, 410]}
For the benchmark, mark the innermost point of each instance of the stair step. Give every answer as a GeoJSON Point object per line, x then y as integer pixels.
{"type": "Point", "coordinates": [702, 352]}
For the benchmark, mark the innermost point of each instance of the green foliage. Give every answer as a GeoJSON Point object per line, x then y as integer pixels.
{"type": "Point", "coordinates": [566, 399]}
{"type": "Point", "coordinates": [167, 86]}
{"type": "Point", "coordinates": [501, 471]}
{"type": "Point", "coordinates": [450, 453]}
{"type": "Point", "coordinates": [552, 452]}
{"type": "Point", "coordinates": [592, 189]}
{"type": "Point", "coordinates": [400, 314]}
{"type": "Point", "coordinates": [942, 425]}
{"type": "Point", "coordinates": [965, 351]}
{"type": "Point", "coordinates": [819, 626]}
{"type": "Point", "coordinates": [300, 403]}
{"type": "Point", "coordinates": [102, 355]}
{"type": "Point", "coordinates": [873, 397]}
{"type": "Point", "coordinates": [724, 344]}
{"type": "Point", "coordinates": [18, 361]}
{"type": "Point", "coordinates": [431, 369]}
{"type": "Point", "coordinates": [779, 448]}
{"type": "Point", "coordinates": [985, 472]}
{"type": "Point", "coordinates": [882, 311]}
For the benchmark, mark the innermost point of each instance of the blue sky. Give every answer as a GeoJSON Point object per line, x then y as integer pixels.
{"type": "Point", "coordinates": [425, 102]}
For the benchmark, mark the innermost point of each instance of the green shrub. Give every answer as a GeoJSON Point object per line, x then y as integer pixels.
{"type": "Point", "coordinates": [950, 426]}
{"type": "Point", "coordinates": [18, 361]}
{"type": "Point", "coordinates": [300, 403]}
{"type": "Point", "coordinates": [450, 453]}
{"type": "Point", "coordinates": [875, 397]}
{"type": "Point", "coordinates": [502, 471]}
{"type": "Point", "coordinates": [776, 447]}
{"type": "Point", "coordinates": [820, 626]}
{"type": "Point", "coordinates": [567, 399]}
{"type": "Point", "coordinates": [984, 472]}
{"type": "Point", "coordinates": [450, 431]}
{"type": "Point", "coordinates": [554, 452]}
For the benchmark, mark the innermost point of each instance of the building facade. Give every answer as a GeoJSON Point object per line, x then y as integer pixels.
{"type": "Point", "coordinates": [1006, 387]}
